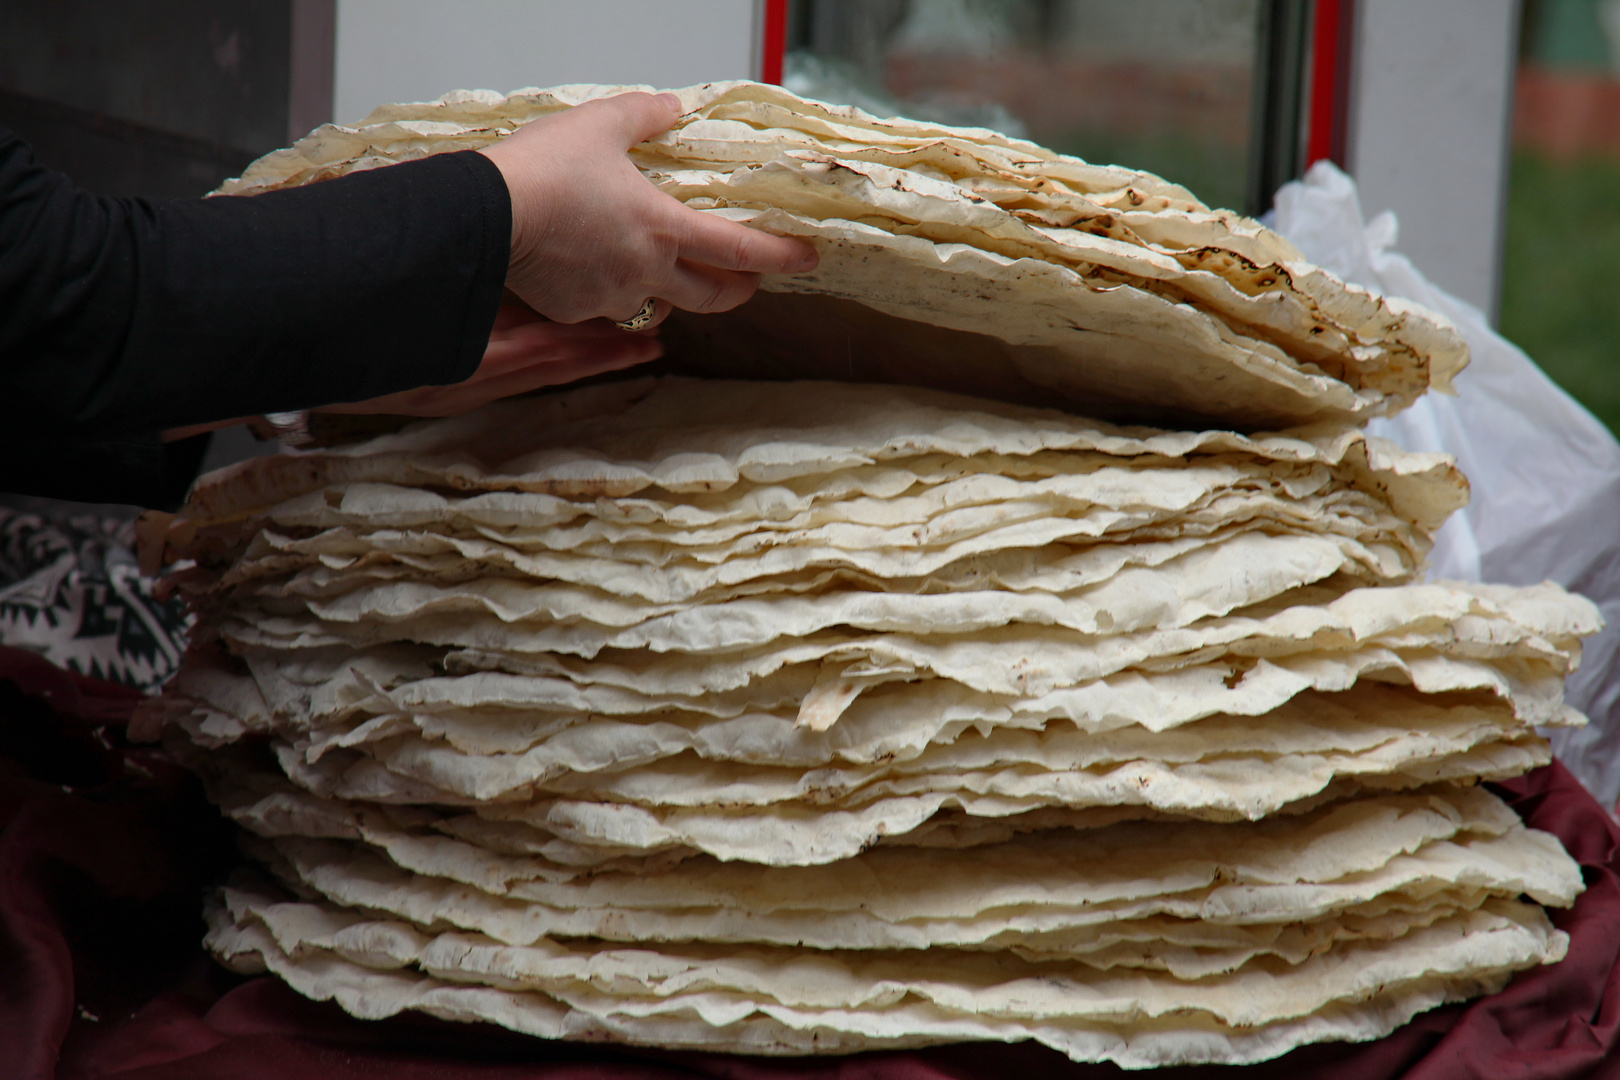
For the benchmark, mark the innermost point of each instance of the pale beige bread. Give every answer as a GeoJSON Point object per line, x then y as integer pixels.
{"type": "Point", "coordinates": [797, 834]}
{"type": "Point", "coordinates": [676, 566]}
{"type": "Point", "coordinates": [739, 110]}
{"type": "Point", "coordinates": [1219, 767]}
{"type": "Point", "coordinates": [868, 977]}
{"type": "Point", "coordinates": [1445, 844]}
{"type": "Point", "coordinates": [560, 727]}
{"type": "Point", "coordinates": [1259, 990]}
{"type": "Point", "coordinates": [1060, 873]}
{"type": "Point", "coordinates": [972, 259]}
{"type": "Point", "coordinates": [1185, 948]}
{"type": "Point", "coordinates": [789, 818]}
{"type": "Point", "coordinates": [367, 992]}
{"type": "Point", "coordinates": [693, 438]}
{"type": "Point", "coordinates": [750, 708]}
{"type": "Point", "coordinates": [1076, 640]}
{"type": "Point", "coordinates": [807, 717]}
{"type": "Point", "coordinates": [928, 744]}
{"type": "Point", "coordinates": [770, 1001]}
{"type": "Point", "coordinates": [1033, 552]}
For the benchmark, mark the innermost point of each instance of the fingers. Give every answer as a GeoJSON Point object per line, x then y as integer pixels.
{"type": "Point", "coordinates": [693, 287]}
{"type": "Point", "coordinates": [488, 385]}
{"type": "Point", "coordinates": [553, 374]}
{"type": "Point", "coordinates": [643, 317]}
{"type": "Point", "coordinates": [592, 237]}
{"type": "Point", "coordinates": [704, 289]}
{"type": "Point", "coordinates": [465, 397]}
{"type": "Point", "coordinates": [175, 434]}
{"type": "Point", "coordinates": [513, 314]}
{"type": "Point", "coordinates": [556, 343]}
{"type": "Point", "coordinates": [593, 330]}
{"type": "Point", "coordinates": [637, 117]}
{"type": "Point", "coordinates": [714, 241]}
{"type": "Point", "coordinates": [519, 360]}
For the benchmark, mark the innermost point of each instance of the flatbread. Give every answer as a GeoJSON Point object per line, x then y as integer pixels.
{"type": "Point", "coordinates": [906, 214]}
{"type": "Point", "coordinates": [737, 1003]}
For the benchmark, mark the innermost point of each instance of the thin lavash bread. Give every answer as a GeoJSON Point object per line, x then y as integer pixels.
{"type": "Point", "coordinates": [964, 260]}
{"type": "Point", "coordinates": [808, 717]}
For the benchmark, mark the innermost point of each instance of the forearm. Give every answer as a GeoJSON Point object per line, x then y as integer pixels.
{"type": "Point", "coordinates": [124, 318]}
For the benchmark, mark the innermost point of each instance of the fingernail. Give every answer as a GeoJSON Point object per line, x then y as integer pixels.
{"type": "Point", "coordinates": [671, 100]}
{"type": "Point", "coordinates": [808, 261]}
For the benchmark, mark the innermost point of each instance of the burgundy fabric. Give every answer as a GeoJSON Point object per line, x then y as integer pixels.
{"type": "Point", "coordinates": [106, 852]}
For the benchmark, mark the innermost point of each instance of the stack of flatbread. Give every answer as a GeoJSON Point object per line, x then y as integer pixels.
{"type": "Point", "coordinates": [800, 717]}
{"type": "Point", "coordinates": [962, 259]}
{"type": "Point", "coordinates": [792, 717]}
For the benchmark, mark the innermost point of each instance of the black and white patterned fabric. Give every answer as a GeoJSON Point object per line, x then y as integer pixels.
{"type": "Point", "coordinates": [72, 590]}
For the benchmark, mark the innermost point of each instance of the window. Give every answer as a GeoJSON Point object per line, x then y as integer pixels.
{"type": "Point", "coordinates": [1203, 92]}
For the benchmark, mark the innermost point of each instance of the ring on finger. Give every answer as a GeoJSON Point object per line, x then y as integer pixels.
{"type": "Point", "coordinates": [641, 319]}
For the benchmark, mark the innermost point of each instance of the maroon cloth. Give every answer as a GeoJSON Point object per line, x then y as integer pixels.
{"type": "Point", "coordinates": [106, 852]}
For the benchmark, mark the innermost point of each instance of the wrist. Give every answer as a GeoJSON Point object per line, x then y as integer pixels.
{"type": "Point", "coordinates": [521, 201]}
{"type": "Point", "coordinates": [532, 201]}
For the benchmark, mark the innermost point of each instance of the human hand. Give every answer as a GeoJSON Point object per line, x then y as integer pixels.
{"type": "Point", "coordinates": [593, 237]}
{"type": "Point", "coordinates": [525, 352]}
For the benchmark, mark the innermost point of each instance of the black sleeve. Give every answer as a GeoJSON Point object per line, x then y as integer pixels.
{"type": "Point", "coordinates": [120, 318]}
{"type": "Point", "coordinates": [138, 472]}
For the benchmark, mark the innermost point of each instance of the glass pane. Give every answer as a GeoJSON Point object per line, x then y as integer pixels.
{"type": "Point", "coordinates": [1563, 223]}
{"type": "Point", "coordinates": [162, 99]}
{"type": "Point", "coordinates": [1162, 85]}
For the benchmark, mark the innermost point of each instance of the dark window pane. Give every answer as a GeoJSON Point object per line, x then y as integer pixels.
{"type": "Point", "coordinates": [1162, 85]}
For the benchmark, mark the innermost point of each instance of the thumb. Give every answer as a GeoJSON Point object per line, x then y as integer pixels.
{"type": "Point", "coordinates": [638, 117]}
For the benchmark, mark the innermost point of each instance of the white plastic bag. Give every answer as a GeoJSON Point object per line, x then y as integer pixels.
{"type": "Point", "coordinates": [1545, 472]}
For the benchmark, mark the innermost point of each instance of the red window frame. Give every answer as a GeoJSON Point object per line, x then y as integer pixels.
{"type": "Point", "coordinates": [1329, 120]}
{"type": "Point", "coordinates": [774, 47]}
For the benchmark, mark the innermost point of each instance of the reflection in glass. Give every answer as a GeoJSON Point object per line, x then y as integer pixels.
{"type": "Point", "coordinates": [1164, 85]}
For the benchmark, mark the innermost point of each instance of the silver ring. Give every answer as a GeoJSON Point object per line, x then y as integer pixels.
{"type": "Point", "coordinates": [641, 319]}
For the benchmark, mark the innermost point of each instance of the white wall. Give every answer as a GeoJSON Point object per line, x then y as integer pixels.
{"type": "Point", "coordinates": [415, 50]}
{"type": "Point", "coordinates": [1432, 101]}
{"type": "Point", "coordinates": [1431, 96]}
